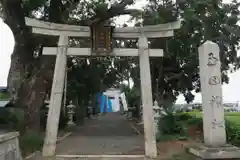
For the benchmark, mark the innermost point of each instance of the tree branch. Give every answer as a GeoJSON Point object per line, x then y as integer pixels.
{"type": "Point", "coordinates": [115, 10]}
{"type": "Point", "coordinates": [174, 76]}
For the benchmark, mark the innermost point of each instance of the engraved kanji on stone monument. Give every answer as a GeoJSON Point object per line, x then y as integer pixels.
{"type": "Point", "coordinates": [211, 87]}
{"type": "Point", "coordinates": [212, 60]}
{"type": "Point", "coordinates": [216, 124]}
{"type": "Point", "coordinates": [216, 101]}
{"type": "Point", "coordinates": [214, 80]}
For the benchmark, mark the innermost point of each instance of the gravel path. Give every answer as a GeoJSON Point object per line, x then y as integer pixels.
{"type": "Point", "coordinates": [110, 134]}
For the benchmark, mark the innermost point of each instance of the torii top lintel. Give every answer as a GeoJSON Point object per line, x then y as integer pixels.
{"type": "Point", "coordinates": [154, 31]}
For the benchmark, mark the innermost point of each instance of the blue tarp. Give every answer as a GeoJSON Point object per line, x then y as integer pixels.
{"type": "Point", "coordinates": [105, 104]}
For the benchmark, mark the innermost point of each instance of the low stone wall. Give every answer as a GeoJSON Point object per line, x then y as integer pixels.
{"type": "Point", "coordinates": [9, 146]}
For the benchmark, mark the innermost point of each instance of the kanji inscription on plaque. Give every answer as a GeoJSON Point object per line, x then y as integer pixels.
{"type": "Point", "coordinates": [101, 40]}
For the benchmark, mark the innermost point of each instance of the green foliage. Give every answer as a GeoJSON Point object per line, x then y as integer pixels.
{"type": "Point", "coordinates": [193, 114]}
{"type": "Point", "coordinates": [196, 121]}
{"type": "Point", "coordinates": [183, 116]}
{"type": "Point", "coordinates": [17, 119]}
{"type": "Point", "coordinates": [33, 5]}
{"type": "Point", "coordinates": [133, 99]}
{"type": "Point", "coordinates": [11, 119]}
{"type": "Point", "coordinates": [174, 126]}
{"type": "Point", "coordinates": [88, 77]}
{"type": "Point", "coordinates": [4, 96]}
{"type": "Point", "coordinates": [4, 117]}
{"type": "Point", "coordinates": [170, 125]}
{"type": "Point", "coordinates": [232, 122]}
{"type": "Point", "coordinates": [203, 20]}
{"type": "Point", "coordinates": [30, 142]}
{"type": "Point", "coordinates": [232, 114]}
{"type": "Point", "coordinates": [233, 132]}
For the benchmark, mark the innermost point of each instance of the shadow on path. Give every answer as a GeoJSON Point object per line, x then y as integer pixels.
{"type": "Point", "coordinates": [109, 134]}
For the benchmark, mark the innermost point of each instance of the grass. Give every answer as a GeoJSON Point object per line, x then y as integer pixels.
{"type": "Point", "coordinates": [183, 156]}
{"type": "Point", "coordinates": [4, 96]}
{"type": "Point", "coordinates": [30, 142]}
{"type": "Point", "coordinates": [231, 116]}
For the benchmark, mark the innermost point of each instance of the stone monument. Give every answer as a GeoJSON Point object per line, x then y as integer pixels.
{"type": "Point", "coordinates": [215, 146]}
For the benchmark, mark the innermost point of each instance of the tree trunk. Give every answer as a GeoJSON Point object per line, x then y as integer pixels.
{"type": "Point", "coordinates": [22, 54]}
{"type": "Point", "coordinates": [33, 93]}
{"type": "Point", "coordinates": [28, 91]}
{"type": "Point", "coordinates": [21, 58]}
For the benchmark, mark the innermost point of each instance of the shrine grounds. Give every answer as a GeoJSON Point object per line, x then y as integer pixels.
{"type": "Point", "coordinates": [186, 130]}
{"type": "Point", "coordinates": [178, 131]}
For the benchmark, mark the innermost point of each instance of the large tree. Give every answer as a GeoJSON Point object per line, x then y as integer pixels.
{"type": "Point", "coordinates": [178, 72]}
{"type": "Point", "coordinates": [31, 73]}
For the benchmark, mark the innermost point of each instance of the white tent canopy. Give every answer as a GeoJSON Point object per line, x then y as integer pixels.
{"type": "Point", "coordinates": [117, 96]}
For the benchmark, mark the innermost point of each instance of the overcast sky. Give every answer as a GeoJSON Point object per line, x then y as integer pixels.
{"type": "Point", "coordinates": [230, 91]}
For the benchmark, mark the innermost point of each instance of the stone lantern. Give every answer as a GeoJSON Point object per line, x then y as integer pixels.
{"type": "Point", "coordinates": [47, 102]}
{"type": "Point", "coordinates": [71, 111]}
{"type": "Point", "coordinates": [156, 115]}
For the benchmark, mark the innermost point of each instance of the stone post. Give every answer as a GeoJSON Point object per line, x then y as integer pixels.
{"type": "Point", "coordinates": [214, 146]}
{"type": "Point", "coordinates": [147, 101]}
{"type": "Point", "coordinates": [56, 98]}
{"type": "Point", "coordinates": [211, 88]}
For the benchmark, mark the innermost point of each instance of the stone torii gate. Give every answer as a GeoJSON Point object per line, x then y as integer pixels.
{"type": "Point", "coordinates": [62, 51]}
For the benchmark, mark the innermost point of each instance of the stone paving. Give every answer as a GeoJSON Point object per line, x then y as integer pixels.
{"type": "Point", "coordinates": [109, 134]}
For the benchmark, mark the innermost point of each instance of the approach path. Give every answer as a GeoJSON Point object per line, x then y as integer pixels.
{"type": "Point", "coordinates": [109, 134]}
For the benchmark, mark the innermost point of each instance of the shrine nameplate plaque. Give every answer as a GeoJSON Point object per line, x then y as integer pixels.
{"type": "Point", "coordinates": [101, 40]}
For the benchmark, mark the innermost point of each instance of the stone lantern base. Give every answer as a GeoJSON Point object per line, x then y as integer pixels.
{"type": "Point", "coordinates": [71, 123]}
{"type": "Point", "coordinates": [225, 152]}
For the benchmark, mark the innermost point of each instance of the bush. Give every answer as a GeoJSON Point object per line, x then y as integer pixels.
{"type": "Point", "coordinates": [233, 133]}
{"type": "Point", "coordinates": [11, 119]}
{"type": "Point", "coordinates": [30, 142]}
{"type": "Point", "coordinates": [170, 124]}
{"type": "Point", "coordinates": [195, 121]}
{"type": "Point", "coordinates": [183, 116]}
{"type": "Point", "coordinates": [4, 117]}
{"type": "Point", "coordinates": [17, 119]}
{"type": "Point", "coordinates": [174, 124]}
